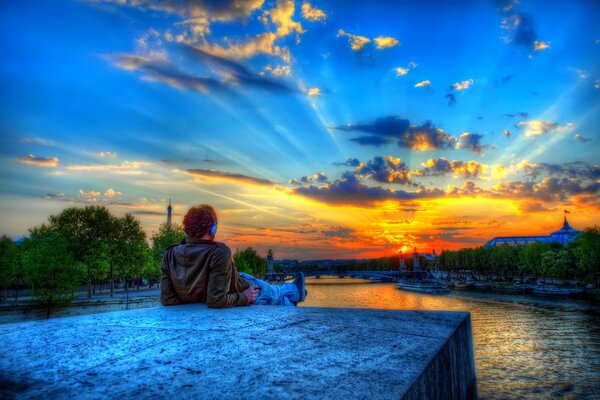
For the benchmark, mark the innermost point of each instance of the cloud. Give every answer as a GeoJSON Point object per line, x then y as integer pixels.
{"type": "Point", "coordinates": [350, 162]}
{"type": "Point", "coordinates": [222, 10]}
{"type": "Point", "coordinates": [376, 141]}
{"type": "Point", "coordinates": [162, 71]}
{"type": "Point", "coordinates": [314, 92]}
{"type": "Point", "coordinates": [386, 169]}
{"type": "Point", "coordinates": [106, 154]}
{"type": "Point", "coordinates": [385, 42]}
{"type": "Point", "coordinates": [520, 114]}
{"type": "Point", "coordinates": [90, 196]}
{"type": "Point", "coordinates": [125, 168]}
{"type": "Point", "coordinates": [263, 43]}
{"type": "Point", "coordinates": [400, 71]}
{"type": "Point", "coordinates": [318, 177]}
{"type": "Point", "coordinates": [112, 193]}
{"type": "Point", "coordinates": [581, 74]}
{"type": "Point", "coordinates": [462, 85]}
{"type": "Point", "coordinates": [506, 133]}
{"type": "Point", "coordinates": [442, 166]}
{"type": "Point", "coordinates": [469, 188]}
{"type": "Point", "coordinates": [597, 84]}
{"type": "Point", "coordinates": [538, 128]}
{"type": "Point", "coordinates": [281, 17]}
{"type": "Point", "coordinates": [423, 84]}
{"type": "Point", "coordinates": [311, 13]}
{"type": "Point", "coordinates": [357, 43]}
{"type": "Point", "coordinates": [236, 73]}
{"type": "Point", "coordinates": [338, 232]}
{"type": "Point", "coordinates": [37, 141]}
{"type": "Point", "coordinates": [581, 138]}
{"type": "Point", "coordinates": [385, 129]}
{"type": "Point", "coordinates": [279, 70]}
{"type": "Point", "coordinates": [549, 189]}
{"type": "Point", "coordinates": [231, 176]}
{"type": "Point", "coordinates": [39, 161]}
{"type": "Point", "coordinates": [539, 46]}
{"type": "Point", "coordinates": [524, 34]}
{"type": "Point", "coordinates": [471, 141]}
{"type": "Point", "coordinates": [451, 99]}
{"type": "Point", "coordinates": [54, 196]}
{"type": "Point", "coordinates": [350, 191]}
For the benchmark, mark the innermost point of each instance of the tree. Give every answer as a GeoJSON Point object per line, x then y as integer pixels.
{"type": "Point", "coordinates": [587, 254]}
{"type": "Point", "coordinates": [250, 262]}
{"type": "Point", "coordinates": [87, 231]}
{"type": "Point", "coordinates": [129, 250]}
{"type": "Point", "coordinates": [165, 237]}
{"type": "Point", "coordinates": [51, 268]}
{"type": "Point", "coordinates": [8, 263]}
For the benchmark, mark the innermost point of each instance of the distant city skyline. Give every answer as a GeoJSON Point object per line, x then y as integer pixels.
{"type": "Point", "coordinates": [321, 129]}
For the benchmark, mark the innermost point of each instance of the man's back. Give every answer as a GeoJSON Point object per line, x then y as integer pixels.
{"type": "Point", "coordinates": [201, 271]}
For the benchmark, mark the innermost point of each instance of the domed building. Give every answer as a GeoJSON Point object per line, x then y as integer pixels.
{"type": "Point", "coordinates": [563, 236]}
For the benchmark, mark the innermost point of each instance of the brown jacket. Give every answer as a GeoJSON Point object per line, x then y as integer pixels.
{"type": "Point", "coordinates": [201, 271]}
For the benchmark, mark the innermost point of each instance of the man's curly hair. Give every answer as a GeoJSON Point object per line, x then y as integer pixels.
{"type": "Point", "coordinates": [198, 220]}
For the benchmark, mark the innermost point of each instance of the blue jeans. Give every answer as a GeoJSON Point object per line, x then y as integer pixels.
{"type": "Point", "coordinates": [273, 295]}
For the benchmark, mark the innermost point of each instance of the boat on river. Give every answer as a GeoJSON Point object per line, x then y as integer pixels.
{"type": "Point", "coordinates": [429, 287]}
{"type": "Point", "coordinates": [556, 291]}
{"type": "Point", "coordinates": [461, 285]}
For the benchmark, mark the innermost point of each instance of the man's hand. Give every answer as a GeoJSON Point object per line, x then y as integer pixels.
{"type": "Point", "coordinates": [251, 293]}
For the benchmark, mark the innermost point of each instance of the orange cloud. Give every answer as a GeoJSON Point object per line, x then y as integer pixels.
{"type": "Point", "coordinates": [39, 161]}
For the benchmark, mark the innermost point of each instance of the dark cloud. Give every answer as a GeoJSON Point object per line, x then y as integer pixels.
{"type": "Point", "coordinates": [165, 72]}
{"type": "Point", "coordinates": [236, 74]}
{"type": "Point", "coordinates": [549, 189]}
{"type": "Point", "coordinates": [351, 162]}
{"type": "Point", "coordinates": [318, 177]}
{"type": "Point", "coordinates": [451, 99]}
{"type": "Point", "coordinates": [385, 129]}
{"type": "Point", "coordinates": [39, 161]}
{"type": "Point", "coordinates": [442, 166]}
{"type": "Point", "coordinates": [581, 138]}
{"type": "Point", "coordinates": [338, 232]}
{"type": "Point", "coordinates": [350, 191]}
{"type": "Point", "coordinates": [231, 176]}
{"type": "Point", "coordinates": [520, 114]}
{"type": "Point", "coordinates": [376, 141]}
{"type": "Point", "coordinates": [472, 142]}
{"type": "Point", "coordinates": [574, 170]}
{"type": "Point", "coordinates": [386, 169]}
{"type": "Point", "coordinates": [237, 71]}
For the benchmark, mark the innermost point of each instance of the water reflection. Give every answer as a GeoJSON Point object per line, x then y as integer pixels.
{"type": "Point", "coordinates": [525, 347]}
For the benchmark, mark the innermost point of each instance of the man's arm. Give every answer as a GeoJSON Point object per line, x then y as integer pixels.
{"type": "Point", "coordinates": [219, 280]}
{"type": "Point", "coordinates": [168, 297]}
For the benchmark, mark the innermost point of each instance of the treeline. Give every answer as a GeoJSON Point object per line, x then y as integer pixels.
{"type": "Point", "coordinates": [579, 259]}
{"type": "Point", "coordinates": [90, 246]}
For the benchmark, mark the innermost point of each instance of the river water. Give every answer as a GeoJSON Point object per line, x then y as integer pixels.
{"type": "Point", "coordinates": [526, 347]}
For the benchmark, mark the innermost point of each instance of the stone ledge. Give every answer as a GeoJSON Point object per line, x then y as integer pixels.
{"type": "Point", "coordinates": [261, 352]}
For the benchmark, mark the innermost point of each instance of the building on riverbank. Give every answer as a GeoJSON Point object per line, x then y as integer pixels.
{"type": "Point", "coordinates": [563, 236]}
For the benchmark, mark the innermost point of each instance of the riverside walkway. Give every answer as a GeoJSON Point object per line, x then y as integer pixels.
{"type": "Point", "coordinates": [265, 352]}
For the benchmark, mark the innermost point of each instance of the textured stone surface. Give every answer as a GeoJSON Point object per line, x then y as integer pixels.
{"type": "Point", "coordinates": [249, 352]}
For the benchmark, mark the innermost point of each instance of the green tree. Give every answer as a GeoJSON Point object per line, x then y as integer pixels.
{"type": "Point", "coordinates": [87, 231]}
{"type": "Point", "coordinates": [129, 249]}
{"type": "Point", "coordinates": [162, 239]}
{"type": "Point", "coordinates": [587, 254]}
{"type": "Point", "coordinates": [8, 264]}
{"type": "Point", "coordinates": [50, 268]}
{"type": "Point", "coordinates": [250, 262]}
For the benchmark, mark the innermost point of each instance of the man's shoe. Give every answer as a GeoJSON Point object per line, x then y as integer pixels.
{"type": "Point", "coordinates": [299, 282]}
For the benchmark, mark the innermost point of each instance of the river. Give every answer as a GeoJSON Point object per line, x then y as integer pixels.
{"type": "Point", "coordinates": [526, 347]}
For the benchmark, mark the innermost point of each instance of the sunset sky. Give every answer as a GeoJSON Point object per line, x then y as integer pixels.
{"type": "Point", "coordinates": [322, 129]}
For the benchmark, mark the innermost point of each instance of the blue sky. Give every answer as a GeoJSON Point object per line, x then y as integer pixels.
{"type": "Point", "coordinates": [328, 128]}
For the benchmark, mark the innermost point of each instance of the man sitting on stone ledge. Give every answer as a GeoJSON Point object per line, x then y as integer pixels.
{"type": "Point", "coordinates": [200, 270]}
